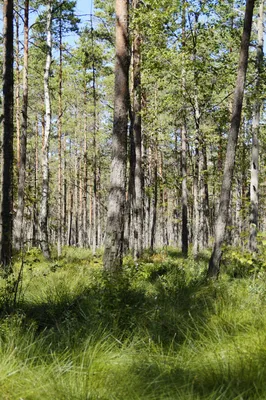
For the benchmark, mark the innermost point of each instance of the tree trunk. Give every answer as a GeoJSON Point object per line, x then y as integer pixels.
{"type": "Point", "coordinates": [95, 194]}
{"type": "Point", "coordinates": [254, 181]}
{"type": "Point", "coordinates": [35, 206]}
{"type": "Point", "coordinates": [206, 227]}
{"type": "Point", "coordinates": [45, 149]}
{"type": "Point", "coordinates": [137, 134]}
{"type": "Point", "coordinates": [17, 86]}
{"type": "Point", "coordinates": [221, 222]}
{"type": "Point", "coordinates": [184, 197]}
{"type": "Point", "coordinates": [8, 134]}
{"type": "Point", "coordinates": [18, 231]}
{"type": "Point", "coordinates": [196, 216]}
{"type": "Point", "coordinates": [113, 254]}
{"type": "Point", "coordinates": [60, 115]}
{"type": "Point", "coordinates": [155, 201]}
{"type": "Point", "coordinates": [184, 193]}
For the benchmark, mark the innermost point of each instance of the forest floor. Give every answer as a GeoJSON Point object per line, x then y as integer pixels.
{"type": "Point", "coordinates": [161, 332]}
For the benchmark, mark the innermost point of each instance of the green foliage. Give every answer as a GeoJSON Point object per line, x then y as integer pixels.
{"type": "Point", "coordinates": [241, 263]}
{"type": "Point", "coordinates": [159, 331]}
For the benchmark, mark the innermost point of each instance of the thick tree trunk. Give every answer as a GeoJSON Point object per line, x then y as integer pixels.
{"type": "Point", "coordinates": [45, 149]}
{"type": "Point", "coordinates": [18, 231]}
{"type": "Point", "coordinates": [8, 134]}
{"type": "Point", "coordinates": [254, 181]}
{"type": "Point", "coordinates": [113, 254]}
{"type": "Point", "coordinates": [221, 222]}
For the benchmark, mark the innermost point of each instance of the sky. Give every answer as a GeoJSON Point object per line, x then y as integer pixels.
{"type": "Point", "coordinates": [83, 8]}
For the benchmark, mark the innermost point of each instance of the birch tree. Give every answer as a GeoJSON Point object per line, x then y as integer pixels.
{"type": "Point", "coordinates": [254, 181]}
{"type": "Point", "coordinates": [47, 131]}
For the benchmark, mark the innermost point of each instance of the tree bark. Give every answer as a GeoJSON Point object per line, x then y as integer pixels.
{"type": "Point", "coordinates": [45, 150]}
{"type": "Point", "coordinates": [184, 193]}
{"type": "Point", "coordinates": [60, 115]}
{"type": "Point", "coordinates": [18, 231]}
{"type": "Point", "coordinates": [35, 206]}
{"type": "Point", "coordinates": [8, 134]}
{"type": "Point", "coordinates": [155, 200]}
{"type": "Point", "coordinates": [95, 188]}
{"type": "Point", "coordinates": [17, 86]}
{"type": "Point", "coordinates": [113, 254]}
{"type": "Point", "coordinates": [254, 181]}
{"type": "Point", "coordinates": [137, 134]}
{"type": "Point", "coordinates": [222, 218]}
{"type": "Point", "coordinates": [184, 152]}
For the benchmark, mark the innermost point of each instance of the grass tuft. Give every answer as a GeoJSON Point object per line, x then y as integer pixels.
{"type": "Point", "coordinates": [162, 332]}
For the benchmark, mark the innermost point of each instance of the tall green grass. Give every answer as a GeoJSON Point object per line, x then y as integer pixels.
{"type": "Point", "coordinates": [161, 333]}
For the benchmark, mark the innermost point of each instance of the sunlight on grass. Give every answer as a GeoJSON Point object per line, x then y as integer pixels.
{"type": "Point", "coordinates": [165, 334]}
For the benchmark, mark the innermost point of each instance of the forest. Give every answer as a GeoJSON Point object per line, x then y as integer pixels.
{"type": "Point", "coordinates": [133, 200]}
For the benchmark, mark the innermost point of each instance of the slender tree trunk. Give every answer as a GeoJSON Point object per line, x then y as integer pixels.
{"type": "Point", "coordinates": [196, 219]}
{"type": "Point", "coordinates": [155, 201]}
{"type": "Point", "coordinates": [81, 204]}
{"type": "Point", "coordinates": [197, 211]}
{"type": "Point", "coordinates": [254, 181]}
{"type": "Point", "coordinates": [17, 87]}
{"type": "Point", "coordinates": [70, 218]}
{"type": "Point", "coordinates": [184, 152]}
{"type": "Point", "coordinates": [35, 206]}
{"type": "Point", "coordinates": [137, 134]}
{"type": "Point", "coordinates": [95, 189]}
{"type": "Point", "coordinates": [113, 254]}
{"type": "Point", "coordinates": [8, 134]}
{"type": "Point", "coordinates": [19, 227]}
{"type": "Point", "coordinates": [221, 222]}
{"type": "Point", "coordinates": [60, 115]}
{"type": "Point", "coordinates": [206, 206]}
{"type": "Point", "coordinates": [184, 193]}
{"type": "Point", "coordinates": [45, 149]}
{"type": "Point", "coordinates": [65, 187]}
{"type": "Point", "coordinates": [85, 192]}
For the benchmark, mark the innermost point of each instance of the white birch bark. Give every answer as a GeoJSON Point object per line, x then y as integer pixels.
{"type": "Point", "coordinates": [47, 130]}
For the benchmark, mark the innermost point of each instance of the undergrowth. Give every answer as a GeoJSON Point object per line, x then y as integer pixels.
{"type": "Point", "coordinates": [161, 332]}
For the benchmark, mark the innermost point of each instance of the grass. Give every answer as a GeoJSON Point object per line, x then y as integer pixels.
{"type": "Point", "coordinates": [162, 333]}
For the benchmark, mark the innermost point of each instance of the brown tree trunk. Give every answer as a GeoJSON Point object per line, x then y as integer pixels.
{"type": "Point", "coordinates": [60, 115]}
{"type": "Point", "coordinates": [18, 231]}
{"type": "Point", "coordinates": [8, 134]}
{"type": "Point", "coordinates": [17, 86]}
{"type": "Point", "coordinates": [155, 200]}
{"type": "Point", "coordinates": [95, 189]}
{"type": "Point", "coordinates": [221, 222]}
{"type": "Point", "coordinates": [184, 151]}
{"type": "Point", "coordinates": [137, 135]}
{"type": "Point", "coordinates": [113, 254]}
